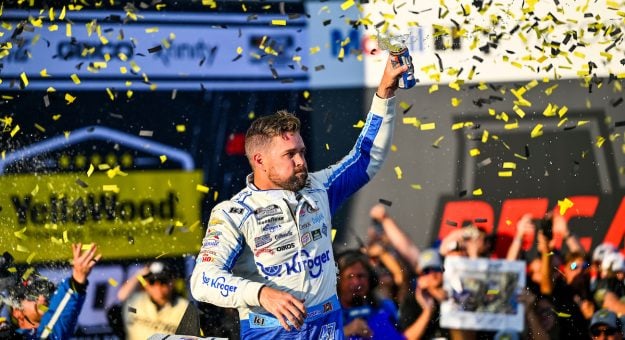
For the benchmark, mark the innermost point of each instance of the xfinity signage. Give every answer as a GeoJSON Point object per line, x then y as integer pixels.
{"type": "Point", "coordinates": [176, 50]}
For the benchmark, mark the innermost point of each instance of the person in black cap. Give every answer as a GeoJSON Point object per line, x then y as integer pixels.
{"type": "Point", "coordinates": [156, 309]}
{"type": "Point", "coordinates": [419, 313]}
{"type": "Point", "coordinates": [606, 325]}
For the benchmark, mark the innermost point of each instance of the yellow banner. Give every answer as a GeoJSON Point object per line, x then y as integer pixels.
{"type": "Point", "coordinates": [144, 214]}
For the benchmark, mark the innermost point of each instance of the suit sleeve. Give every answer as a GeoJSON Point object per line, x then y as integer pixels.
{"type": "Point", "coordinates": [365, 159]}
{"type": "Point", "coordinates": [212, 280]}
{"type": "Point", "coordinates": [61, 318]}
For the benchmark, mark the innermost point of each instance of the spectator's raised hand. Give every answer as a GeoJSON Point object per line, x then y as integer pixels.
{"type": "Point", "coordinates": [375, 249]}
{"type": "Point", "coordinates": [358, 328]}
{"type": "Point", "coordinates": [378, 212]}
{"type": "Point", "coordinates": [425, 300]}
{"type": "Point", "coordinates": [83, 262]}
{"type": "Point", "coordinates": [560, 227]}
{"type": "Point", "coordinates": [545, 245]}
{"type": "Point", "coordinates": [525, 226]}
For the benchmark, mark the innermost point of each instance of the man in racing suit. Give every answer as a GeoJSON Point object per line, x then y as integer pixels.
{"type": "Point", "coordinates": [268, 250]}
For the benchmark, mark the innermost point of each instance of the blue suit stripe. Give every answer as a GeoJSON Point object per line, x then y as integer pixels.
{"type": "Point", "coordinates": [351, 175]}
{"type": "Point", "coordinates": [232, 258]}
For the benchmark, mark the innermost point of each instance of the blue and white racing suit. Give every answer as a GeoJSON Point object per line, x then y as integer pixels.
{"type": "Point", "coordinates": [282, 239]}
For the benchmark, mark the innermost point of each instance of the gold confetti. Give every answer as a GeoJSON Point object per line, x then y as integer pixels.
{"type": "Point", "coordinates": [35, 190]}
{"type": "Point", "coordinates": [163, 158]}
{"type": "Point", "coordinates": [202, 188]}
{"type": "Point", "coordinates": [474, 152]}
{"type": "Point", "coordinates": [278, 22]}
{"type": "Point", "coordinates": [181, 128]}
{"type": "Point", "coordinates": [151, 30]}
{"type": "Point", "coordinates": [15, 130]}
{"type": "Point", "coordinates": [30, 257]}
{"type": "Point", "coordinates": [112, 282]}
{"type": "Point", "coordinates": [40, 128]}
{"type": "Point", "coordinates": [455, 102]}
{"type": "Point", "coordinates": [314, 49]}
{"type": "Point", "coordinates": [549, 90]}
{"type": "Point", "coordinates": [511, 126]}
{"type": "Point", "coordinates": [333, 234]}
{"type": "Point", "coordinates": [44, 73]}
{"type": "Point", "coordinates": [27, 273]}
{"type": "Point", "coordinates": [22, 249]}
{"type": "Point", "coordinates": [564, 205]}
{"type": "Point", "coordinates": [75, 78]}
{"type": "Point", "coordinates": [504, 173]}
{"type": "Point", "coordinates": [115, 172]}
{"type": "Point", "coordinates": [438, 141]}
{"type": "Point", "coordinates": [509, 165]}
{"type": "Point", "coordinates": [562, 314]}
{"type": "Point", "coordinates": [194, 226]}
{"type": "Point", "coordinates": [428, 126]}
{"type": "Point", "coordinates": [110, 187]}
{"type": "Point", "coordinates": [359, 125]}
{"type": "Point", "coordinates": [492, 292]}
{"type": "Point", "coordinates": [347, 4]}
{"type": "Point", "coordinates": [537, 131]}
{"type": "Point", "coordinates": [69, 98]}
{"type": "Point", "coordinates": [110, 93]}
{"type": "Point", "coordinates": [477, 192]}
{"type": "Point", "coordinates": [398, 172]}
{"type": "Point", "coordinates": [90, 171]}
{"type": "Point", "coordinates": [24, 78]}
{"type": "Point", "coordinates": [433, 88]}
{"type": "Point", "coordinates": [519, 111]}
{"type": "Point", "coordinates": [416, 186]}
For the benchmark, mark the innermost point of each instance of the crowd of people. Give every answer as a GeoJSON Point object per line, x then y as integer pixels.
{"type": "Point", "coordinates": [387, 289]}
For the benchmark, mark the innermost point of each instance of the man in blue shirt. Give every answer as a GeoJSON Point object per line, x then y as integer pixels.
{"type": "Point", "coordinates": [364, 316]}
{"type": "Point", "coordinates": [39, 317]}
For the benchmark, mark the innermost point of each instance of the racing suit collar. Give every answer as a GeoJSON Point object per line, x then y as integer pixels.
{"type": "Point", "coordinates": [288, 195]}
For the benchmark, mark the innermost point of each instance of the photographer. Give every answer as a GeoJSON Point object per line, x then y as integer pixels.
{"type": "Point", "coordinates": [41, 317]}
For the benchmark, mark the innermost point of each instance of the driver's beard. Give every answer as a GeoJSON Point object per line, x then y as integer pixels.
{"type": "Point", "coordinates": [294, 183]}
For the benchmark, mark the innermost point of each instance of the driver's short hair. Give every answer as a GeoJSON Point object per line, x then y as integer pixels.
{"type": "Point", "coordinates": [265, 128]}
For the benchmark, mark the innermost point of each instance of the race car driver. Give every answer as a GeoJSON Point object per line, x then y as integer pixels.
{"type": "Point", "coordinates": [267, 251]}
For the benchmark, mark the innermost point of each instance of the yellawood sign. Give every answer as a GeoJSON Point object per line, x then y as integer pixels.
{"type": "Point", "coordinates": [143, 214]}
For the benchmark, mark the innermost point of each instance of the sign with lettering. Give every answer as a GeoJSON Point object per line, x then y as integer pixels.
{"type": "Point", "coordinates": [126, 215]}
{"type": "Point", "coordinates": [179, 50]}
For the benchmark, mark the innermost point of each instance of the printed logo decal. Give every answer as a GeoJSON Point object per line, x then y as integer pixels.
{"type": "Point", "coordinates": [262, 240]}
{"type": "Point", "coordinates": [267, 211]}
